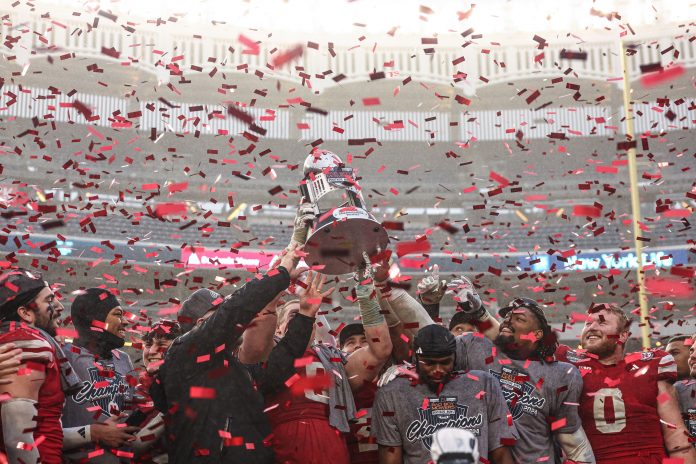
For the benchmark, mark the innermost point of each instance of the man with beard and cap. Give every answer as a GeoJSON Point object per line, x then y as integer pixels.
{"type": "Point", "coordinates": [686, 390]}
{"type": "Point", "coordinates": [92, 415]}
{"type": "Point", "coordinates": [408, 411]}
{"type": "Point", "coordinates": [627, 399]}
{"type": "Point", "coordinates": [541, 393]}
{"type": "Point", "coordinates": [34, 395]}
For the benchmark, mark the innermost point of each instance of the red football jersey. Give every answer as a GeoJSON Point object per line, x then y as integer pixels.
{"type": "Point", "coordinates": [618, 405]}
{"type": "Point", "coordinates": [362, 446]}
{"type": "Point", "coordinates": [38, 354]}
{"type": "Point", "coordinates": [300, 420]}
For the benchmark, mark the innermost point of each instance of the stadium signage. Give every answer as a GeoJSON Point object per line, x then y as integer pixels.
{"type": "Point", "coordinates": [207, 258]}
{"type": "Point", "coordinates": [608, 260]}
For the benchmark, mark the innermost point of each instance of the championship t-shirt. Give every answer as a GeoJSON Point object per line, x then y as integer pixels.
{"type": "Point", "coordinates": [408, 415]}
{"type": "Point", "coordinates": [107, 389]}
{"type": "Point", "coordinates": [542, 397]}
{"type": "Point", "coordinates": [686, 390]}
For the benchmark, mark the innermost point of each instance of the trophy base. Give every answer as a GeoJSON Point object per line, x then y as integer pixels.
{"type": "Point", "coordinates": [338, 241]}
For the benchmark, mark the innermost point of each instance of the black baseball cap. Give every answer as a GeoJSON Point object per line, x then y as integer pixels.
{"type": "Point", "coordinates": [195, 306]}
{"type": "Point", "coordinates": [92, 304]}
{"type": "Point", "coordinates": [434, 341]}
{"type": "Point", "coordinates": [18, 287]}
{"type": "Point", "coordinates": [461, 317]}
{"type": "Point", "coordinates": [356, 328]}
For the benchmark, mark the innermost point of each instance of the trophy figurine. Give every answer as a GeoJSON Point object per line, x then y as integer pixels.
{"type": "Point", "coordinates": [343, 229]}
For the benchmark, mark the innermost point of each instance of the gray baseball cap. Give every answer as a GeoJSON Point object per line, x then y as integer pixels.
{"type": "Point", "coordinates": [195, 306]}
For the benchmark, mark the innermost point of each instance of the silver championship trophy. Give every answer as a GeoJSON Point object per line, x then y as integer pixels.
{"type": "Point", "coordinates": [343, 229]}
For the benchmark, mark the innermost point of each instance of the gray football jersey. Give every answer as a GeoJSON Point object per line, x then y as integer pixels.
{"type": "Point", "coordinates": [106, 387]}
{"type": "Point", "coordinates": [538, 395]}
{"type": "Point", "coordinates": [686, 390]}
{"type": "Point", "coordinates": [408, 415]}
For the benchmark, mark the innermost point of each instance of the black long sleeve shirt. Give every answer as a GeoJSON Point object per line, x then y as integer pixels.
{"type": "Point", "coordinates": [212, 411]}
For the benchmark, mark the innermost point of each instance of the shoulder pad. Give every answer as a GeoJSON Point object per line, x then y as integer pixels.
{"type": "Point", "coordinates": [35, 348]}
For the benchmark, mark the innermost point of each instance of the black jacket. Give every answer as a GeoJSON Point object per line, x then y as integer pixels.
{"type": "Point", "coordinates": [231, 426]}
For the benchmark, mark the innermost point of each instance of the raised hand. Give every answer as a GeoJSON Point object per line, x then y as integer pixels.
{"type": "Point", "coordinates": [290, 257]}
{"type": "Point", "coordinates": [382, 268]}
{"type": "Point", "coordinates": [303, 221]}
{"type": "Point", "coordinates": [431, 289]}
{"type": "Point", "coordinates": [311, 298]}
{"type": "Point", "coordinates": [464, 293]}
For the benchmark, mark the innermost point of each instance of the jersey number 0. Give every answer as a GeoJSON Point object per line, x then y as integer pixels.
{"type": "Point", "coordinates": [602, 398]}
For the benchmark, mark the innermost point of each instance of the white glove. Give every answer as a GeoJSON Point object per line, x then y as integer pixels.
{"type": "Point", "coordinates": [464, 293]}
{"type": "Point", "coordinates": [304, 218]}
{"type": "Point", "coordinates": [405, 369]}
{"type": "Point", "coordinates": [431, 289]}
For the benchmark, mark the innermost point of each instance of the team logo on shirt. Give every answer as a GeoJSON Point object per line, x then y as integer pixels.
{"type": "Point", "coordinates": [438, 413]}
{"type": "Point", "coordinates": [575, 357]}
{"type": "Point", "coordinates": [109, 393]}
{"type": "Point", "coordinates": [691, 421]}
{"type": "Point", "coordinates": [518, 392]}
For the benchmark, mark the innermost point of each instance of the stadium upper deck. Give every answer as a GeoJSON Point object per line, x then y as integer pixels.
{"type": "Point", "coordinates": [498, 136]}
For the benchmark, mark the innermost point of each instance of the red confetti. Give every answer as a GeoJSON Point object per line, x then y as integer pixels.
{"type": "Point", "coordinates": [555, 425]}
{"type": "Point", "coordinates": [660, 77]}
{"type": "Point", "coordinates": [494, 176]}
{"type": "Point", "coordinates": [68, 333]}
{"type": "Point", "coordinates": [252, 48]}
{"type": "Point", "coordinates": [606, 169]}
{"type": "Point", "coordinates": [301, 362]}
{"type": "Point", "coordinates": [409, 248]}
{"type": "Point", "coordinates": [12, 287]}
{"type": "Point", "coordinates": [681, 271]}
{"type": "Point", "coordinates": [669, 287]}
{"type": "Point", "coordinates": [315, 383]}
{"type": "Point", "coordinates": [287, 56]}
{"type": "Point", "coordinates": [586, 211]}
{"type": "Point", "coordinates": [171, 209]}
{"type": "Point", "coordinates": [204, 393]}
{"type": "Point", "coordinates": [178, 187]}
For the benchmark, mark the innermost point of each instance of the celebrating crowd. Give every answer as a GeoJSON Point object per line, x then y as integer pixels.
{"type": "Point", "coordinates": [257, 376]}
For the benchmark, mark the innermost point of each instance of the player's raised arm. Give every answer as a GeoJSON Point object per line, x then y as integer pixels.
{"type": "Point", "coordinates": [364, 364]}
